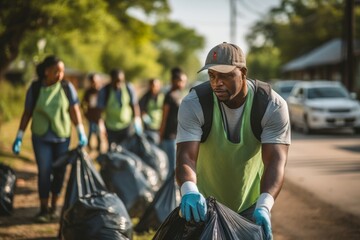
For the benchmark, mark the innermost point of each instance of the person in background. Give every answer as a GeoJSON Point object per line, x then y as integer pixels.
{"type": "Point", "coordinates": [232, 165]}
{"type": "Point", "coordinates": [151, 105]}
{"type": "Point", "coordinates": [91, 112]}
{"type": "Point", "coordinates": [53, 104]}
{"type": "Point", "coordinates": [168, 128]}
{"type": "Point", "coordinates": [118, 103]}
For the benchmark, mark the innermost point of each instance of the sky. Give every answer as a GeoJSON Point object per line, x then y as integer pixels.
{"type": "Point", "coordinates": [211, 18]}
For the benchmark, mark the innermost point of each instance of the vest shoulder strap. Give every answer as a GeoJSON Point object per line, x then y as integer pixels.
{"type": "Point", "coordinates": [107, 93]}
{"type": "Point", "coordinates": [35, 88]}
{"type": "Point", "coordinates": [204, 93]}
{"type": "Point", "coordinates": [260, 102]}
{"type": "Point", "coordinates": [66, 87]}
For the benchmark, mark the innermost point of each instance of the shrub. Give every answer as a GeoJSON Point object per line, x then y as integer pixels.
{"type": "Point", "coordinates": [12, 100]}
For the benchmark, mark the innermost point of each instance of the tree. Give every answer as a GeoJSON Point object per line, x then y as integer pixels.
{"type": "Point", "coordinates": [19, 19]}
{"type": "Point", "coordinates": [263, 63]}
{"type": "Point", "coordinates": [296, 27]}
{"type": "Point", "coordinates": [96, 34]}
{"type": "Point", "coordinates": [177, 46]}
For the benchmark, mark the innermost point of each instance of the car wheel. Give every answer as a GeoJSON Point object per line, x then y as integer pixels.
{"type": "Point", "coordinates": [306, 128]}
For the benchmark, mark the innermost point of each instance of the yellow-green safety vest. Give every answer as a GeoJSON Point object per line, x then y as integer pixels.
{"type": "Point", "coordinates": [155, 111]}
{"type": "Point", "coordinates": [52, 111]}
{"type": "Point", "coordinates": [230, 172]}
{"type": "Point", "coordinates": [118, 117]}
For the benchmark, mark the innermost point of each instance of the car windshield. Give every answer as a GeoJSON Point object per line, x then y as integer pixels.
{"type": "Point", "coordinates": [286, 89]}
{"type": "Point", "coordinates": [326, 92]}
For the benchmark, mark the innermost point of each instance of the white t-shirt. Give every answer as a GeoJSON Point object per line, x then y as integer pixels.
{"type": "Point", "coordinates": [275, 122]}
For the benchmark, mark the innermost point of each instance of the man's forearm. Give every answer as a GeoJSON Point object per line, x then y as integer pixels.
{"type": "Point", "coordinates": [186, 155]}
{"type": "Point", "coordinates": [275, 158]}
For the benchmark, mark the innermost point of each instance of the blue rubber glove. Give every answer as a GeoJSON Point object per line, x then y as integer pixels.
{"type": "Point", "coordinates": [262, 217]}
{"type": "Point", "coordinates": [193, 206]}
{"type": "Point", "coordinates": [18, 141]}
{"type": "Point", "coordinates": [17, 146]}
{"type": "Point", "coordinates": [146, 119]}
{"type": "Point", "coordinates": [83, 141]}
{"type": "Point", "coordinates": [138, 126]}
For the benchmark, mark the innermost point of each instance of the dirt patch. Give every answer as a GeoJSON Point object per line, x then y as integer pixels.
{"type": "Point", "coordinates": [26, 204]}
{"type": "Point", "coordinates": [297, 214]}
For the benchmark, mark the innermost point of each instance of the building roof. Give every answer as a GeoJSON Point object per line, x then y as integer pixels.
{"type": "Point", "coordinates": [327, 54]}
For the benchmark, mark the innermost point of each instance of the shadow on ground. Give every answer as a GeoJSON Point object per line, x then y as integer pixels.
{"type": "Point", "coordinates": [12, 156]}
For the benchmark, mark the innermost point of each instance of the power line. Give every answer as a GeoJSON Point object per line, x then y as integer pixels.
{"type": "Point", "coordinates": [249, 8]}
{"type": "Point", "coordinates": [233, 15]}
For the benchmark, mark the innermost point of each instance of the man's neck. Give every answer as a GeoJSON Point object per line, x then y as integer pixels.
{"type": "Point", "coordinates": [239, 99]}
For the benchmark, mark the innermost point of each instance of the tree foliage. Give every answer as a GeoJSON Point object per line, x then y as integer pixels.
{"type": "Point", "coordinates": [93, 35]}
{"type": "Point", "coordinates": [177, 46]}
{"type": "Point", "coordinates": [296, 27]}
{"type": "Point", "coordinates": [263, 63]}
{"type": "Point", "coordinates": [20, 19]}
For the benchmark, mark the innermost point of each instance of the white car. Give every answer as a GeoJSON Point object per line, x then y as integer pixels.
{"type": "Point", "coordinates": [319, 105]}
{"type": "Point", "coordinates": [284, 87]}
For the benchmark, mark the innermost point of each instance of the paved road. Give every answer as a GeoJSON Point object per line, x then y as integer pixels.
{"type": "Point", "coordinates": [327, 165]}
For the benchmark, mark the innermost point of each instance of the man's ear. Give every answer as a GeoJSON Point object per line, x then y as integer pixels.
{"type": "Point", "coordinates": [244, 70]}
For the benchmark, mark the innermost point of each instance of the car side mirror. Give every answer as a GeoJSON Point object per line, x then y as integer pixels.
{"type": "Point", "coordinates": [353, 95]}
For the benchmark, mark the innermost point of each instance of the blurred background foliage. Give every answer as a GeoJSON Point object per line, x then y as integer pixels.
{"type": "Point", "coordinates": [292, 29]}
{"type": "Point", "coordinates": [98, 35]}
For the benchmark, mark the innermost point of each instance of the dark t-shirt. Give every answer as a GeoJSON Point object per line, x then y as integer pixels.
{"type": "Point", "coordinates": [144, 101]}
{"type": "Point", "coordinates": [92, 113]}
{"type": "Point", "coordinates": [173, 99]}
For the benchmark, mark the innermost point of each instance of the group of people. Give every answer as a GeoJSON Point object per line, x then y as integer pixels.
{"type": "Point", "coordinates": [155, 113]}
{"type": "Point", "coordinates": [53, 104]}
{"type": "Point", "coordinates": [241, 167]}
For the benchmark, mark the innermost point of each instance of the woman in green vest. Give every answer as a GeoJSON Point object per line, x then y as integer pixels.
{"type": "Point", "coordinates": [52, 103]}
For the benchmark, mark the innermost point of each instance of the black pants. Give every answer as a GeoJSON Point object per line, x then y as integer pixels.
{"type": "Point", "coordinates": [118, 136]}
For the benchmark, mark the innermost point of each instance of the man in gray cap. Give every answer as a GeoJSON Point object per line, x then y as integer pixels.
{"type": "Point", "coordinates": [236, 157]}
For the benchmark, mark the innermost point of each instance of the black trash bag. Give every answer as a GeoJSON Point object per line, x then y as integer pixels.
{"type": "Point", "coordinates": [152, 136]}
{"type": "Point", "coordinates": [97, 216]}
{"type": "Point", "coordinates": [221, 223]}
{"type": "Point", "coordinates": [90, 211]}
{"type": "Point", "coordinates": [165, 201]}
{"type": "Point", "coordinates": [130, 178]}
{"type": "Point", "coordinates": [79, 182]}
{"type": "Point", "coordinates": [7, 189]}
{"type": "Point", "coordinates": [149, 152]}
{"type": "Point", "coordinates": [118, 154]}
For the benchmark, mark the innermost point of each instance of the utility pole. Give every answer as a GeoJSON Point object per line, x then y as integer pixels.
{"type": "Point", "coordinates": [233, 16]}
{"type": "Point", "coordinates": [349, 45]}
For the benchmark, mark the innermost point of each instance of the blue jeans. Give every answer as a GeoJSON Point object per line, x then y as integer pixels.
{"type": "Point", "coordinates": [46, 153]}
{"type": "Point", "coordinates": [169, 147]}
{"type": "Point", "coordinates": [94, 129]}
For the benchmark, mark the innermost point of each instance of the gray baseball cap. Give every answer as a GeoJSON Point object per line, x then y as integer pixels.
{"type": "Point", "coordinates": [224, 58]}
